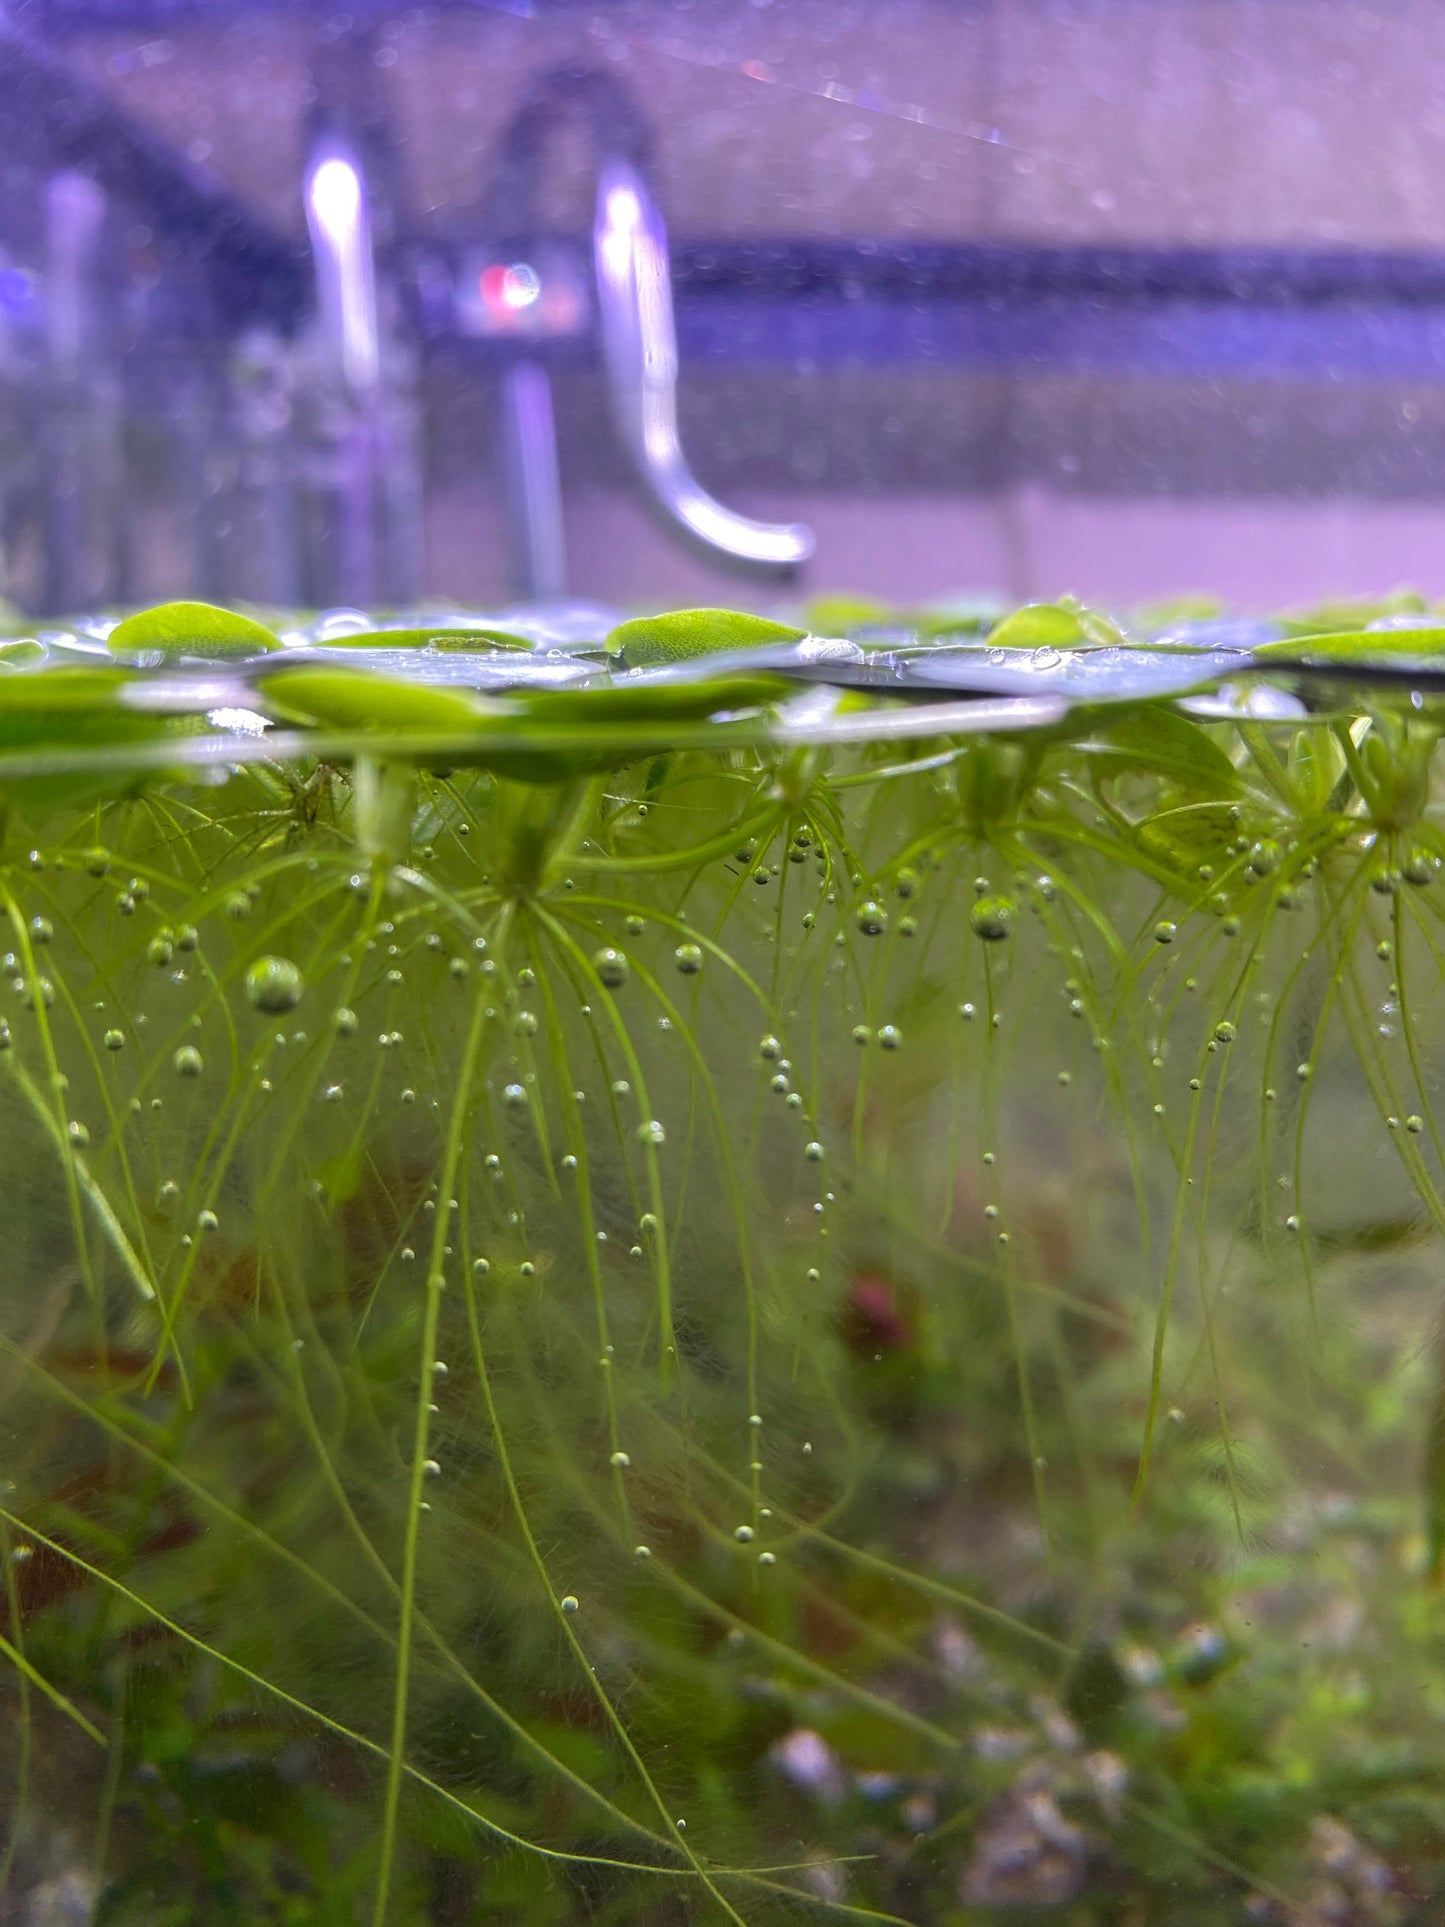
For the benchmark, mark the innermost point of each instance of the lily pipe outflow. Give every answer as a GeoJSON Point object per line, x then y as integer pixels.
{"type": "Point", "coordinates": [639, 346]}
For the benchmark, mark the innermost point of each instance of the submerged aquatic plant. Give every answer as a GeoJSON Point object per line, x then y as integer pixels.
{"type": "Point", "coordinates": [795, 1276]}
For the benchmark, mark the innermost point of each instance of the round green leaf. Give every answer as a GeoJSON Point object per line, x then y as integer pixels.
{"type": "Point", "coordinates": [650, 641]}
{"type": "Point", "coordinates": [192, 629]}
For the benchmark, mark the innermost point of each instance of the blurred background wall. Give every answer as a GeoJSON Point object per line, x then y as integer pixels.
{"type": "Point", "coordinates": [1124, 297]}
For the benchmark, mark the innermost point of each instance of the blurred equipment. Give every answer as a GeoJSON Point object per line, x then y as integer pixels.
{"type": "Point", "coordinates": [532, 292]}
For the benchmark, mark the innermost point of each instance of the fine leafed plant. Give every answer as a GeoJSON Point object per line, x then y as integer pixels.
{"type": "Point", "coordinates": [723, 1276]}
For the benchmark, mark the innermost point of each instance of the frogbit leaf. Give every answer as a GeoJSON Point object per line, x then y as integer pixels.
{"type": "Point", "coordinates": [1355, 645]}
{"type": "Point", "coordinates": [74, 711]}
{"type": "Point", "coordinates": [687, 633]}
{"type": "Point", "coordinates": [191, 629]}
{"type": "Point", "coordinates": [459, 639]}
{"type": "Point", "coordinates": [351, 699]}
{"type": "Point", "coordinates": [1054, 625]}
{"type": "Point", "coordinates": [1164, 743]}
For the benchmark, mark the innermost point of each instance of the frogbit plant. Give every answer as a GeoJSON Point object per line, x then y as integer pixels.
{"type": "Point", "coordinates": [721, 1272]}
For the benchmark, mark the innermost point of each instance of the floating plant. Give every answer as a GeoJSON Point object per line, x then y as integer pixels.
{"type": "Point", "coordinates": [693, 1269]}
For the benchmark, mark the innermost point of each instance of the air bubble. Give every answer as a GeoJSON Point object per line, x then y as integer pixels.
{"type": "Point", "coordinates": [619, 1462]}
{"type": "Point", "coordinates": [344, 1021]}
{"type": "Point", "coordinates": [1415, 1123]}
{"type": "Point", "coordinates": [743, 1535]}
{"type": "Point", "coordinates": [274, 985]}
{"type": "Point", "coordinates": [770, 1049]}
{"type": "Point", "coordinates": [991, 918]}
{"type": "Point", "coordinates": [688, 958]}
{"type": "Point", "coordinates": [1224, 1032]}
{"type": "Point", "coordinates": [813, 1152]}
{"type": "Point", "coordinates": [1264, 857]}
{"type": "Point", "coordinates": [890, 1037]}
{"type": "Point", "coordinates": [188, 1061]}
{"type": "Point", "coordinates": [871, 918]}
{"type": "Point", "coordinates": [115, 1040]}
{"type": "Point", "coordinates": [1165, 931]}
{"type": "Point", "coordinates": [569, 1602]}
{"type": "Point", "coordinates": [78, 1135]}
{"type": "Point", "coordinates": [525, 1023]}
{"type": "Point", "coordinates": [97, 862]}
{"type": "Point", "coordinates": [651, 1132]}
{"type": "Point", "coordinates": [159, 951]}
{"type": "Point", "coordinates": [238, 906]}
{"type": "Point", "coordinates": [42, 930]}
{"type": "Point", "coordinates": [515, 1096]}
{"type": "Point", "coordinates": [612, 968]}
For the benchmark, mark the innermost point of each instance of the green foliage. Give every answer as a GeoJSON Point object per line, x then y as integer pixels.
{"type": "Point", "coordinates": [875, 1300]}
{"type": "Point", "coordinates": [191, 629]}
{"type": "Point", "coordinates": [653, 640]}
